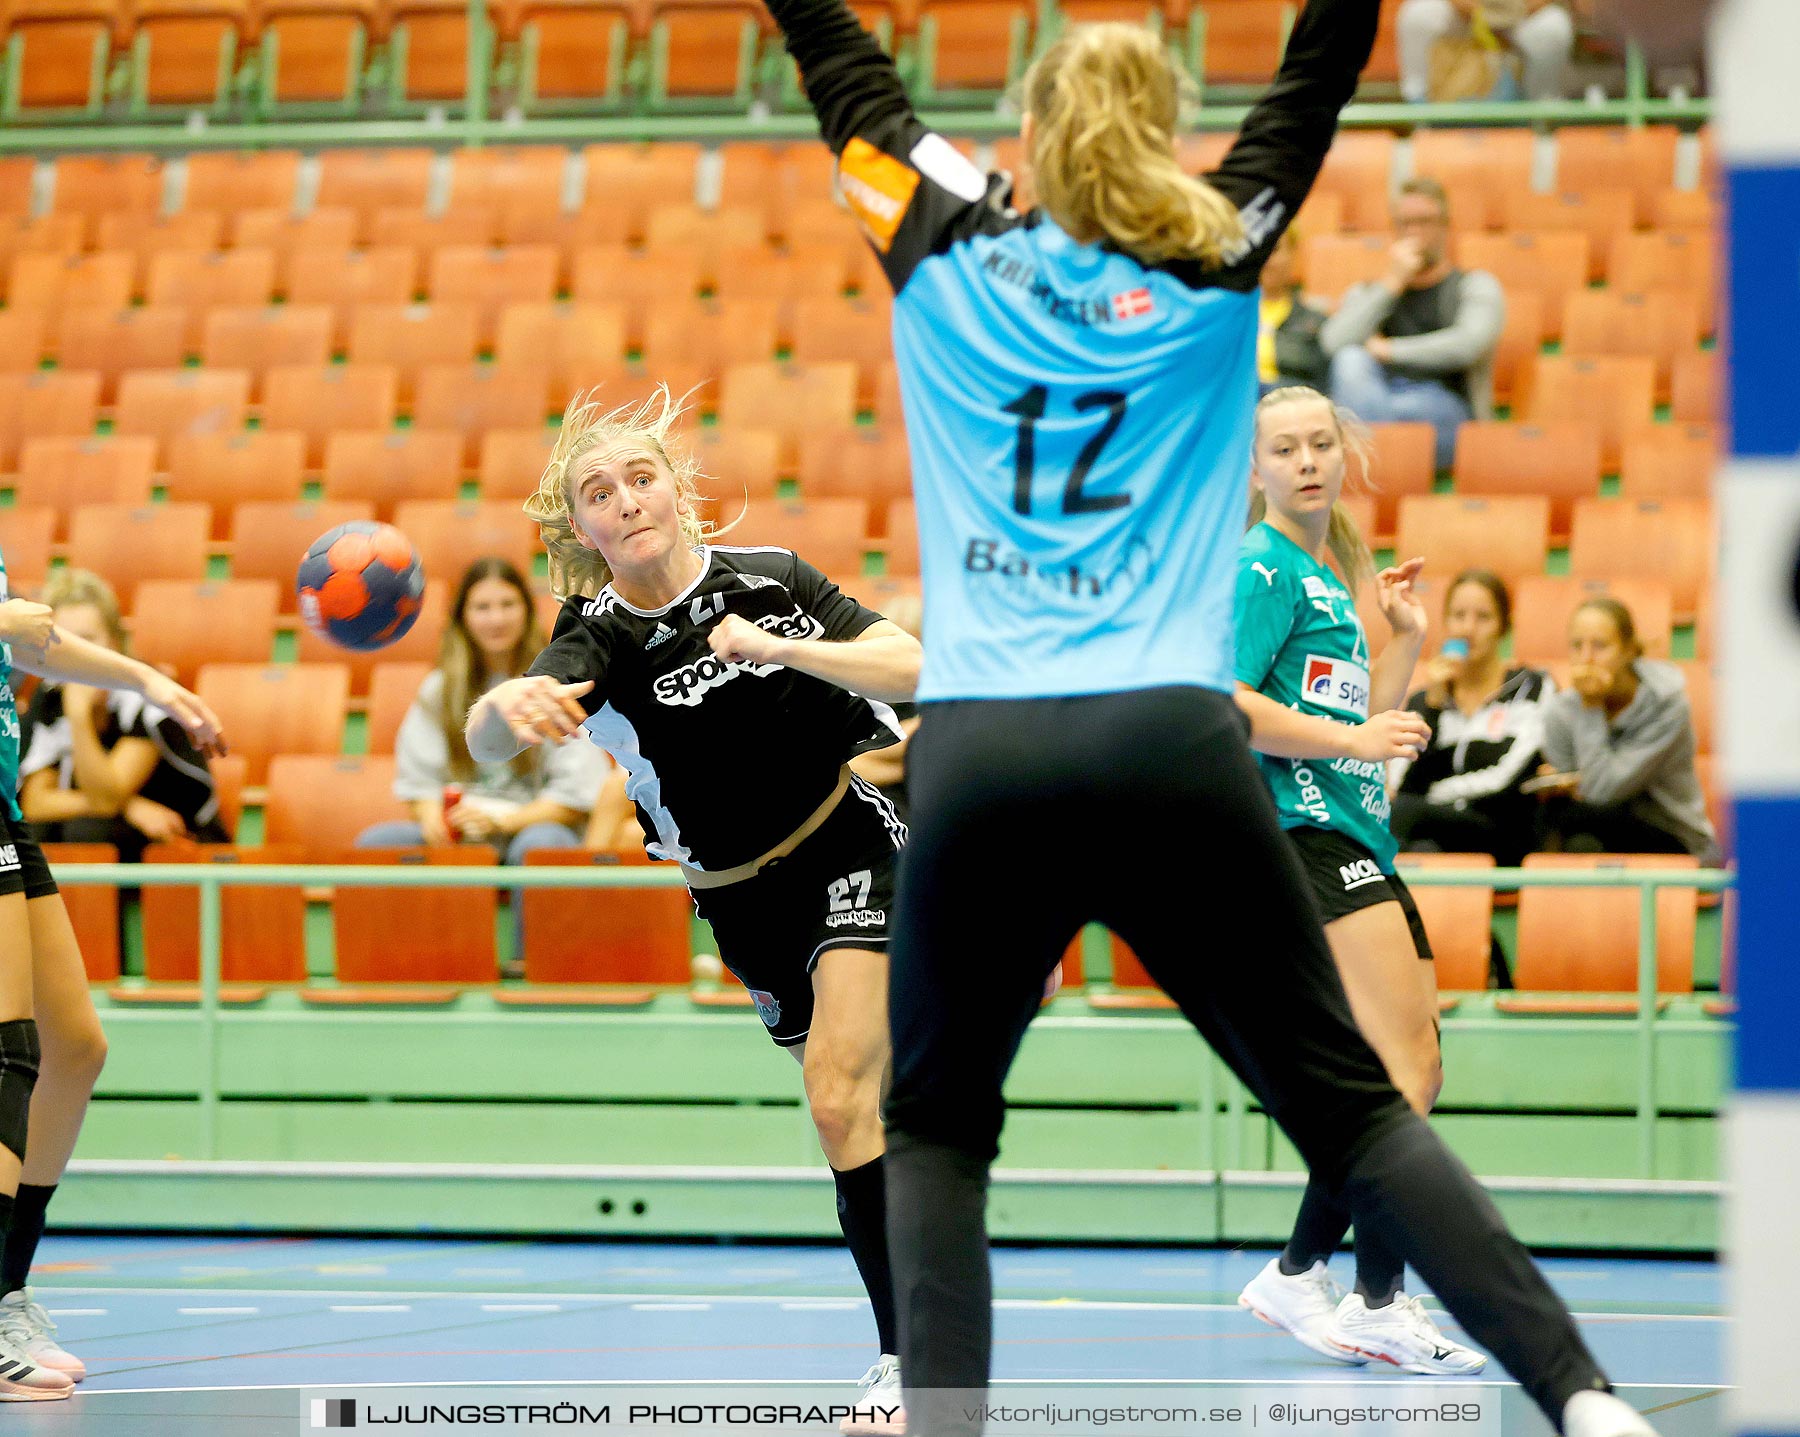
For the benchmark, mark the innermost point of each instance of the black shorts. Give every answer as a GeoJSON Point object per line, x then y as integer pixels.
{"type": "Point", "coordinates": [836, 890]}
{"type": "Point", "coordinates": [22, 866]}
{"type": "Point", "coordinates": [1345, 879]}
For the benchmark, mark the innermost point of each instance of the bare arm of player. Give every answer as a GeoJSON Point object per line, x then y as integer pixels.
{"type": "Point", "coordinates": [65, 659]}
{"type": "Point", "coordinates": [881, 663]}
{"type": "Point", "coordinates": [522, 713]}
{"type": "Point", "coordinates": [1390, 676]}
{"type": "Point", "coordinates": [1282, 732]}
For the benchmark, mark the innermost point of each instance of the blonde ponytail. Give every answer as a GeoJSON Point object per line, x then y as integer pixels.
{"type": "Point", "coordinates": [1104, 102]}
{"type": "Point", "coordinates": [1349, 550]}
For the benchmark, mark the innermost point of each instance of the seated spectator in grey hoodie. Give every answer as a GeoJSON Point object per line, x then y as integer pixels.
{"type": "Point", "coordinates": [1418, 344]}
{"type": "Point", "coordinates": [1619, 745]}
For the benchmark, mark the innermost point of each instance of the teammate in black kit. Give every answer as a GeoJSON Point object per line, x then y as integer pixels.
{"type": "Point", "coordinates": [1079, 387]}
{"type": "Point", "coordinates": [733, 685]}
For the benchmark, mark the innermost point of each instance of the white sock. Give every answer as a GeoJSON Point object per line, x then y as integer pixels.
{"type": "Point", "coordinates": [1601, 1414]}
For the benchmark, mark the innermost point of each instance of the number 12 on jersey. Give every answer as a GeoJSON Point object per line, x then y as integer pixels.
{"type": "Point", "coordinates": [1031, 406]}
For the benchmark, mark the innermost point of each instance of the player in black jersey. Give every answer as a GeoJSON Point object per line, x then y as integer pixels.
{"type": "Point", "coordinates": [671, 653]}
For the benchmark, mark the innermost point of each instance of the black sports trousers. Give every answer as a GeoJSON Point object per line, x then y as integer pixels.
{"type": "Point", "coordinates": [1196, 875]}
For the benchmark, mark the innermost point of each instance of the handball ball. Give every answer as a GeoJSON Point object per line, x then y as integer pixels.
{"type": "Point", "coordinates": [360, 585]}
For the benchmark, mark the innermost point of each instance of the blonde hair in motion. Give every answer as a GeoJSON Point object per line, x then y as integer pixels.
{"type": "Point", "coordinates": [1342, 537]}
{"type": "Point", "coordinates": [587, 426]}
{"type": "Point", "coordinates": [1105, 101]}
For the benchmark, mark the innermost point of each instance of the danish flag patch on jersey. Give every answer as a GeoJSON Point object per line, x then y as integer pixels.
{"type": "Point", "coordinates": [1132, 303]}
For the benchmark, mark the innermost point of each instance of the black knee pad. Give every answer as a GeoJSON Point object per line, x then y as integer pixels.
{"type": "Point", "coordinates": [19, 1054]}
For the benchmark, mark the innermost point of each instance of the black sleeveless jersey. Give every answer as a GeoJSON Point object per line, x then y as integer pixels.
{"type": "Point", "coordinates": [722, 760]}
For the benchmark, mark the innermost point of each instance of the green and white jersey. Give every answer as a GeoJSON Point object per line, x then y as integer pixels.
{"type": "Point", "coordinates": [1300, 643]}
{"type": "Point", "coordinates": [9, 721]}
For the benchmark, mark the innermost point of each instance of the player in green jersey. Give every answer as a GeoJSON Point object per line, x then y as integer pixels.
{"type": "Point", "coordinates": [47, 1019]}
{"type": "Point", "coordinates": [1326, 717]}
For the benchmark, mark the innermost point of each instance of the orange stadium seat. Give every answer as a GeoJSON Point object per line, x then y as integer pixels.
{"type": "Point", "coordinates": [26, 534]}
{"type": "Point", "coordinates": [242, 180]}
{"type": "Point", "coordinates": [425, 233]}
{"type": "Point", "coordinates": [44, 234]}
{"type": "Point", "coordinates": [512, 461]}
{"type": "Point", "coordinates": [1663, 325]}
{"type": "Point", "coordinates": [1560, 461]}
{"type": "Point", "coordinates": [1476, 166]}
{"type": "Point", "coordinates": [432, 37]}
{"type": "Point", "coordinates": [108, 184]}
{"type": "Point", "coordinates": [146, 236]}
{"type": "Point", "coordinates": [228, 783]}
{"type": "Point", "coordinates": [1604, 216]}
{"type": "Point", "coordinates": [1522, 338]}
{"type": "Point", "coordinates": [258, 338]}
{"type": "Point", "coordinates": [1669, 540]}
{"type": "Point", "coordinates": [128, 546]}
{"type": "Point", "coordinates": [321, 400]}
{"type": "Point", "coordinates": [269, 539]}
{"type": "Point", "coordinates": [63, 471]}
{"type": "Point", "coordinates": [1359, 173]}
{"type": "Point", "coordinates": [575, 49]}
{"type": "Point", "coordinates": [271, 709]}
{"type": "Point", "coordinates": [413, 935]}
{"type": "Point", "coordinates": [450, 535]}
{"type": "Point", "coordinates": [605, 935]}
{"type": "Point", "coordinates": [1404, 462]}
{"type": "Point", "coordinates": [208, 279]}
{"type": "Point", "coordinates": [1244, 40]}
{"type": "Point", "coordinates": [60, 281]}
{"type": "Point", "coordinates": [285, 234]}
{"type": "Point", "coordinates": [567, 232]}
{"type": "Point", "coordinates": [1686, 210]}
{"type": "Point", "coordinates": [387, 468]}
{"type": "Point", "coordinates": [320, 802]}
{"type": "Point", "coordinates": [224, 470]}
{"type": "Point", "coordinates": [112, 342]}
{"type": "Point", "coordinates": [902, 544]}
{"type": "Point", "coordinates": [262, 930]}
{"type": "Point", "coordinates": [367, 180]}
{"type": "Point", "coordinates": [167, 402]}
{"type": "Point", "coordinates": [1618, 395]}
{"type": "Point", "coordinates": [887, 394]}
{"type": "Point", "coordinates": [642, 282]}
{"type": "Point", "coordinates": [736, 465]}
{"type": "Point", "coordinates": [776, 180]}
{"type": "Point", "coordinates": [711, 336]}
{"type": "Point", "coordinates": [1597, 157]}
{"type": "Point", "coordinates": [713, 232]}
{"type": "Point", "coordinates": [408, 337]}
{"type": "Point", "coordinates": [185, 51]}
{"type": "Point", "coordinates": [790, 397]}
{"type": "Point", "coordinates": [862, 461]}
{"type": "Point", "coordinates": [493, 278]}
{"type": "Point", "coordinates": [1703, 702]}
{"type": "Point", "coordinates": [1507, 535]}
{"type": "Point", "coordinates": [706, 47]}
{"type": "Point", "coordinates": [23, 335]}
{"type": "Point", "coordinates": [1694, 388]}
{"type": "Point", "coordinates": [578, 343]}
{"type": "Point", "coordinates": [521, 178]}
{"type": "Point", "coordinates": [1586, 939]}
{"type": "Point", "coordinates": [1543, 604]}
{"type": "Point", "coordinates": [640, 175]}
{"type": "Point", "coordinates": [826, 329]}
{"type": "Point", "coordinates": [474, 399]}
{"type": "Point", "coordinates": [1683, 260]}
{"type": "Point", "coordinates": [54, 402]}
{"type": "Point", "coordinates": [345, 280]}
{"type": "Point", "coordinates": [313, 50]}
{"type": "Point", "coordinates": [1458, 921]}
{"type": "Point", "coordinates": [818, 271]}
{"type": "Point", "coordinates": [1553, 264]}
{"type": "Point", "coordinates": [1670, 461]}
{"type": "Point", "coordinates": [830, 534]}
{"type": "Point", "coordinates": [419, 644]}
{"type": "Point", "coordinates": [184, 623]}
{"type": "Point", "coordinates": [18, 173]}
{"type": "Point", "coordinates": [392, 688]}
{"type": "Point", "coordinates": [93, 908]}
{"type": "Point", "coordinates": [1332, 264]}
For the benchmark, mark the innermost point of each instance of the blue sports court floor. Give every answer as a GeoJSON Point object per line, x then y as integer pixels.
{"type": "Point", "coordinates": [216, 1335]}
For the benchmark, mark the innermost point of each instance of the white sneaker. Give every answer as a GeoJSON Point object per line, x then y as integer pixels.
{"type": "Point", "coordinates": [21, 1379]}
{"type": "Point", "coordinates": [1403, 1335]}
{"type": "Point", "coordinates": [879, 1389]}
{"type": "Point", "coordinates": [1600, 1414]}
{"type": "Point", "coordinates": [30, 1329]}
{"type": "Point", "coordinates": [1305, 1305]}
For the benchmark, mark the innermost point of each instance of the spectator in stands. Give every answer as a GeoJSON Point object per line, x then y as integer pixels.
{"type": "Point", "coordinates": [1288, 352]}
{"type": "Point", "coordinates": [103, 765]}
{"type": "Point", "coordinates": [1540, 32]}
{"type": "Point", "coordinates": [542, 798]}
{"type": "Point", "coordinates": [1461, 795]}
{"type": "Point", "coordinates": [1418, 344]}
{"type": "Point", "coordinates": [1619, 745]}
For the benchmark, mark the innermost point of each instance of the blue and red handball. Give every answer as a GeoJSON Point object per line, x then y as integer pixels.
{"type": "Point", "coordinates": [360, 585]}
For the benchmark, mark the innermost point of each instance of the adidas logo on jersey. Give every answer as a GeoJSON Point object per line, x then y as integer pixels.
{"type": "Point", "coordinates": [662, 636]}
